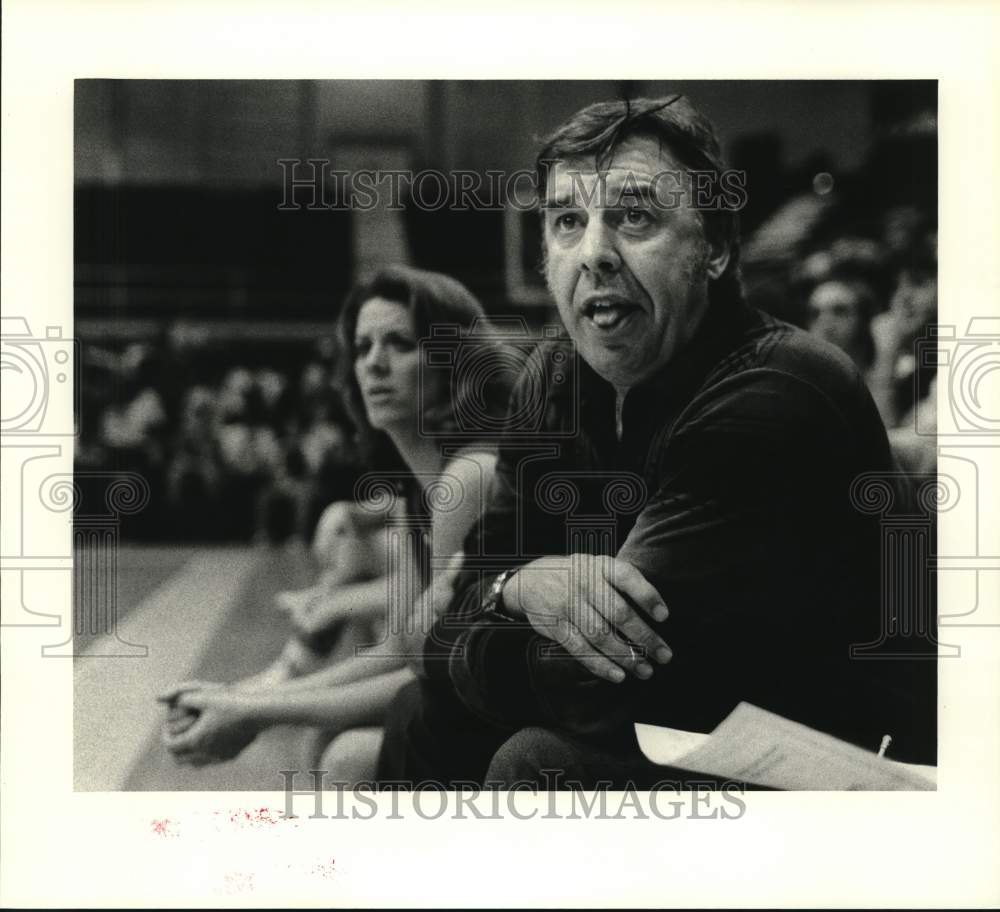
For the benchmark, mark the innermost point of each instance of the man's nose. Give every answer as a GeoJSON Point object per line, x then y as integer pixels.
{"type": "Point", "coordinates": [597, 253]}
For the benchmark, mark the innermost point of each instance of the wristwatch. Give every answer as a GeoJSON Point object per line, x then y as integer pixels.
{"type": "Point", "coordinates": [493, 603]}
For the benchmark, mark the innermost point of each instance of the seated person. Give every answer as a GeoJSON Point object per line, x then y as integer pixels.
{"type": "Point", "coordinates": [349, 549]}
{"type": "Point", "coordinates": [381, 323]}
{"type": "Point", "coordinates": [907, 396]}
{"type": "Point", "coordinates": [697, 522]}
{"type": "Point", "coordinates": [840, 311]}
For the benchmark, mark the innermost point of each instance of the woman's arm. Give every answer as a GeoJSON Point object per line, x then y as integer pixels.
{"type": "Point", "coordinates": [349, 601]}
{"type": "Point", "coordinates": [226, 720]}
{"type": "Point", "coordinates": [381, 658]}
{"type": "Point", "coordinates": [365, 685]}
{"type": "Point", "coordinates": [397, 598]}
{"type": "Point", "coordinates": [468, 476]}
{"type": "Point", "coordinates": [361, 702]}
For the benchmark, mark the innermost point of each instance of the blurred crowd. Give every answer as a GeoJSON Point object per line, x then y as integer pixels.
{"type": "Point", "coordinates": [234, 445]}
{"type": "Point", "coordinates": [868, 286]}
{"type": "Point", "coordinates": [253, 441]}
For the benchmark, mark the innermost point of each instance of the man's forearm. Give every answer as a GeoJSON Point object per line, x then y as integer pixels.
{"type": "Point", "coordinates": [510, 675]}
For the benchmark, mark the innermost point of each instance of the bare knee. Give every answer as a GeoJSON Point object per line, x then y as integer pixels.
{"type": "Point", "coordinates": [352, 756]}
{"type": "Point", "coordinates": [346, 549]}
{"type": "Point", "coordinates": [334, 525]}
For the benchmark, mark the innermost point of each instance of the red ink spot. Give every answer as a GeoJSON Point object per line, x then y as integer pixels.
{"type": "Point", "coordinates": [253, 818]}
{"type": "Point", "coordinates": [162, 827]}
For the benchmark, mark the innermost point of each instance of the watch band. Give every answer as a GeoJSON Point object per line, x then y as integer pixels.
{"type": "Point", "coordinates": [493, 603]}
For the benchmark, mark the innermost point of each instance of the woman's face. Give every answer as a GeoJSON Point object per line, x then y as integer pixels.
{"type": "Point", "coordinates": [386, 363]}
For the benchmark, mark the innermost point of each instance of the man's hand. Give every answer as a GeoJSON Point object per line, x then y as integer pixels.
{"type": "Point", "coordinates": [207, 724]}
{"type": "Point", "coordinates": [592, 606]}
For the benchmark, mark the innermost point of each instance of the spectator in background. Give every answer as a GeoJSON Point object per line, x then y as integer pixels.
{"type": "Point", "coordinates": [195, 471]}
{"type": "Point", "coordinates": [332, 465]}
{"type": "Point", "coordinates": [841, 286]}
{"type": "Point", "coordinates": [279, 509]}
{"type": "Point", "coordinates": [326, 433]}
{"type": "Point", "coordinates": [134, 426]}
{"type": "Point", "coordinates": [99, 381]}
{"type": "Point", "coordinates": [271, 386]}
{"type": "Point", "coordinates": [903, 227]}
{"type": "Point", "coordinates": [903, 389]}
{"type": "Point", "coordinates": [228, 449]}
{"type": "Point", "coordinates": [839, 311]}
{"type": "Point", "coordinates": [912, 309]}
{"type": "Point", "coordinates": [250, 451]}
{"type": "Point", "coordinates": [316, 393]}
{"type": "Point", "coordinates": [133, 433]}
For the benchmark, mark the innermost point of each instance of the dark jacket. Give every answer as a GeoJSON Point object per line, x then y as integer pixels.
{"type": "Point", "coordinates": [742, 490]}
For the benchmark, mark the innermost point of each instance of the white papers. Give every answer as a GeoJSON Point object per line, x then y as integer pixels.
{"type": "Point", "coordinates": [756, 746]}
{"type": "Point", "coordinates": [667, 745]}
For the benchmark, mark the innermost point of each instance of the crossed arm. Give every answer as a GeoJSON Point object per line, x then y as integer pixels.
{"type": "Point", "coordinates": [716, 542]}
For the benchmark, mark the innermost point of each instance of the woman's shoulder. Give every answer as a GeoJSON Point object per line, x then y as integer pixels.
{"type": "Point", "coordinates": [478, 451]}
{"type": "Point", "coordinates": [464, 481]}
{"type": "Point", "coordinates": [471, 461]}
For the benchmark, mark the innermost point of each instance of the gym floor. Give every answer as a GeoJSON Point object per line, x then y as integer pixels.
{"type": "Point", "coordinates": [203, 613]}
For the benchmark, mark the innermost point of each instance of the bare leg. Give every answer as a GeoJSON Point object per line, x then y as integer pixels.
{"type": "Point", "coordinates": [349, 549]}
{"type": "Point", "coordinates": [352, 756]}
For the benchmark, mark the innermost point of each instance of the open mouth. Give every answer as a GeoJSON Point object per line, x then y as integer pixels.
{"type": "Point", "coordinates": [608, 313]}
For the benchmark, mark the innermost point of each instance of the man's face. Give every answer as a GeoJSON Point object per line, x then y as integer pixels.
{"type": "Point", "coordinates": [834, 314]}
{"type": "Point", "coordinates": [914, 304]}
{"type": "Point", "coordinates": [628, 270]}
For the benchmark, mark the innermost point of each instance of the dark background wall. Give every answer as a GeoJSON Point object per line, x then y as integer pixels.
{"type": "Point", "coordinates": [178, 182]}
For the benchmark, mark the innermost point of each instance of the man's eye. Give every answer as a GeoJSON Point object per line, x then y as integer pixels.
{"type": "Point", "coordinates": [567, 221]}
{"type": "Point", "coordinates": [635, 217]}
{"type": "Point", "coordinates": [362, 347]}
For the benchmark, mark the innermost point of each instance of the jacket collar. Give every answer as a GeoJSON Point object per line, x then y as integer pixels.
{"type": "Point", "coordinates": [677, 381]}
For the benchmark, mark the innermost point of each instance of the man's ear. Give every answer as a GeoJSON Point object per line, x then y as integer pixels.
{"type": "Point", "coordinates": [718, 259]}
